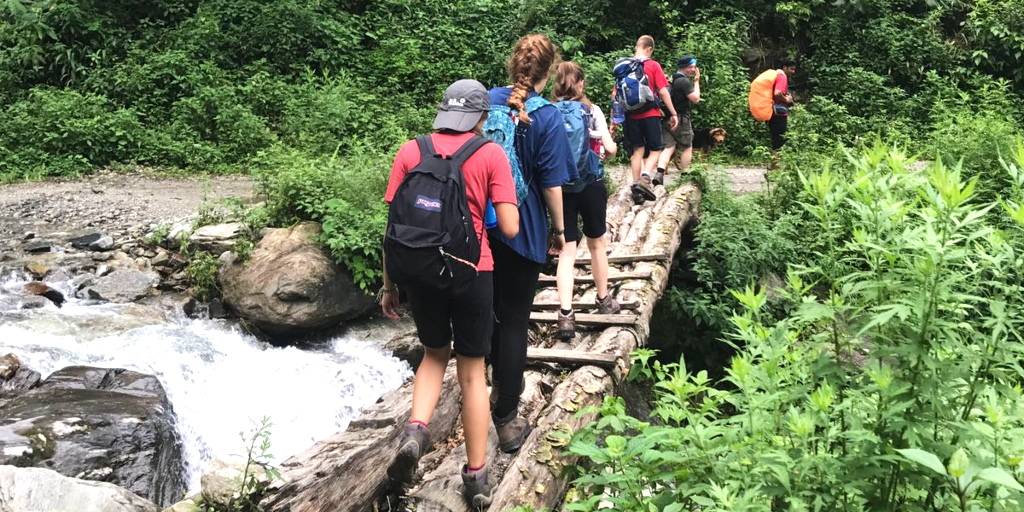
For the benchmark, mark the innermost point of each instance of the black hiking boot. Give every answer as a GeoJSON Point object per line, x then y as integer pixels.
{"type": "Point", "coordinates": [414, 444]}
{"type": "Point", "coordinates": [659, 178]}
{"type": "Point", "coordinates": [477, 491]}
{"type": "Point", "coordinates": [566, 325]}
{"type": "Point", "coordinates": [512, 431]}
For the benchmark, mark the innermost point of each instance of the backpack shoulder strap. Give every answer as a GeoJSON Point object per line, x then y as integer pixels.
{"type": "Point", "coordinates": [467, 150]}
{"type": "Point", "coordinates": [426, 145]}
{"type": "Point", "coordinates": [534, 103]}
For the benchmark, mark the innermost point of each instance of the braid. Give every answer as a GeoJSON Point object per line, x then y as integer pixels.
{"type": "Point", "coordinates": [531, 62]}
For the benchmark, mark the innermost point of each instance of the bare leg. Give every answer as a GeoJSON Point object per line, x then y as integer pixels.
{"type": "Point", "coordinates": [598, 264]}
{"type": "Point", "coordinates": [651, 163]}
{"type": "Point", "coordinates": [426, 388]}
{"type": "Point", "coordinates": [636, 162]}
{"type": "Point", "coordinates": [476, 408]}
{"type": "Point", "coordinates": [564, 276]}
{"type": "Point", "coordinates": [666, 157]}
{"type": "Point", "coordinates": [685, 158]}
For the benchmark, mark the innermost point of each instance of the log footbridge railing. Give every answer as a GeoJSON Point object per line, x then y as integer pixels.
{"type": "Point", "coordinates": [347, 471]}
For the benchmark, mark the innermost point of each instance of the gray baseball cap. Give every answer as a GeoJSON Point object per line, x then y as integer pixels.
{"type": "Point", "coordinates": [462, 105]}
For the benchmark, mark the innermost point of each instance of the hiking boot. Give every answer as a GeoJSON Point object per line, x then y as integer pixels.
{"type": "Point", "coordinates": [638, 198]}
{"type": "Point", "coordinates": [512, 431]}
{"type": "Point", "coordinates": [566, 325]}
{"type": "Point", "coordinates": [645, 187]}
{"type": "Point", "coordinates": [608, 305]}
{"type": "Point", "coordinates": [659, 178]}
{"type": "Point", "coordinates": [414, 444]}
{"type": "Point", "coordinates": [477, 487]}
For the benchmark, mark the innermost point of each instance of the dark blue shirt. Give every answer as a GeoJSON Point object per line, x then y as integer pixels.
{"type": "Point", "coordinates": [543, 151]}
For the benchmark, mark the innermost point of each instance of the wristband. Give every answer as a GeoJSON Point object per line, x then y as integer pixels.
{"type": "Point", "coordinates": [558, 232]}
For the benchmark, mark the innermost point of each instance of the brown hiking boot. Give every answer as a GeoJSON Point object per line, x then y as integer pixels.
{"type": "Point", "coordinates": [512, 431]}
{"type": "Point", "coordinates": [415, 443]}
{"type": "Point", "coordinates": [566, 325]}
{"type": "Point", "coordinates": [659, 178]}
{"type": "Point", "coordinates": [646, 188]}
{"type": "Point", "coordinates": [477, 487]}
{"type": "Point", "coordinates": [608, 305]}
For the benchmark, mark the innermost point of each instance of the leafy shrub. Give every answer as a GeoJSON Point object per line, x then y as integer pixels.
{"type": "Point", "coordinates": [202, 273]}
{"type": "Point", "coordinates": [894, 386]}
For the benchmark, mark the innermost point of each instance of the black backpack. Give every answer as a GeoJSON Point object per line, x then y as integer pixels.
{"type": "Point", "coordinates": [431, 240]}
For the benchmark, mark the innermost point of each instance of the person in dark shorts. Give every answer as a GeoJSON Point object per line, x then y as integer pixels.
{"type": "Point", "coordinates": [783, 101]}
{"type": "Point", "coordinates": [589, 204]}
{"type": "Point", "coordinates": [685, 90]}
{"type": "Point", "coordinates": [464, 309]}
{"type": "Point", "coordinates": [643, 128]}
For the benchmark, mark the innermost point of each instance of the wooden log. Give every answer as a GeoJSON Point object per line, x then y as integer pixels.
{"type": "Point", "coordinates": [571, 357]}
{"type": "Point", "coordinates": [535, 476]}
{"type": "Point", "coordinates": [348, 471]}
{"type": "Point", "coordinates": [589, 279]}
{"type": "Point", "coordinates": [626, 258]}
{"type": "Point", "coordinates": [548, 305]}
{"type": "Point", "coordinates": [586, 318]}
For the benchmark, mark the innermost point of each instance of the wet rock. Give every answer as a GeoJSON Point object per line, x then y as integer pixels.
{"type": "Point", "coordinates": [216, 309]}
{"type": "Point", "coordinates": [103, 270]}
{"type": "Point", "coordinates": [160, 259]}
{"type": "Point", "coordinates": [105, 243]}
{"type": "Point", "coordinates": [37, 269]}
{"type": "Point", "coordinates": [111, 425]}
{"type": "Point", "coordinates": [23, 379]}
{"type": "Point", "coordinates": [30, 302]}
{"type": "Point", "coordinates": [186, 505]}
{"type": "Point", "coordinates": [222, 479]}
{"type": "Point", "coordinates": [38, 247]}
{"type": "Point", "coordinates": [35, 489]}
{"type": "Point", "coordinates": [291, 285]}
{"type": "Point", "coordinates": [28, 236]}
{"type": "Point", "coordinates": [9, 365]}
{"type": "Point", "coordinates": [124, 285]}
{"type": "Point", "coordinates": [85, 241]}
{"type": "Point", "coordinates": [43, 290]}
{"type": "Point", "coordinates": [216, 238]}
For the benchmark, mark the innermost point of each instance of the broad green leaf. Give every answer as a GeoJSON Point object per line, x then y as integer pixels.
{"type": "Point", "coordinates": [1001, 477]}
{"type": "Point", "coordinates": [926, 459]}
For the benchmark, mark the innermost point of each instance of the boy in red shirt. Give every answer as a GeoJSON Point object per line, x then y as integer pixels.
{"type": "Point", "coordinates": [465, 308]}
{"type": "Point", "coordinates": [643, 129]}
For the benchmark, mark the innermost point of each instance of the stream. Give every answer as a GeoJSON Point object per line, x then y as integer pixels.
{"type": "Point", "coordinates": [218, 378]}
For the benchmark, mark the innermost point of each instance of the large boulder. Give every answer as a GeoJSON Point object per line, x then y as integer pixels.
{"type": "Point", "coordinates": [123, 285]}
{"type": "Point", "coordinates": [35, 489]}
{"type": "Point", "coordinates": [291, 285]}
{"type": "Point", "coordinates": [222, 480]}
{"type": "Point", "coordinates": [111, 425]}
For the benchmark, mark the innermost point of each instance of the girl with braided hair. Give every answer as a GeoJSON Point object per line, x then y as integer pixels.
{"type": "Point", "coordinates": [542, 148]}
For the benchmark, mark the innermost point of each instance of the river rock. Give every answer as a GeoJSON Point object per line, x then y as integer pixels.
{"type": "Point", "coordinates": [37, 269]}
{"type": "Point", "coordinates": [22, 379]}
{"type": "Point", "coordinates": [123, 285]}
{"type": "Point", "coordinates": [35, 489]}
{"type": "Point", "coordinates": [111, 425]}
{"type": "Point", "coordinates": [9, 364]}
{"type": "Point", "coordinates": [216, 238]}
{"type": "Point", "coordinates": [222, 479]}
{"type": "Point", "coordinates": [186, 505]}
{"type": "Point", "coordinates": [38, 247]}
{"type": "Point", "coordinates": [43, 290]}
{"type": "Point", "coordinates": [85, 241]}
{"type": "Point", "coordinates": [291, 285]}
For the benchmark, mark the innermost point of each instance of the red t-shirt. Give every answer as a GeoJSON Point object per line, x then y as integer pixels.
{"type": "Point", "coordinates": [487, 174]}
{"type": "Point", "coordinates": [781, 86]}
{"type": "Point", "coordinates": [657, 80]}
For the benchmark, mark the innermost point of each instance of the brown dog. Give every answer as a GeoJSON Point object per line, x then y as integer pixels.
{"type": "Point", "coordinates": [706, 139]}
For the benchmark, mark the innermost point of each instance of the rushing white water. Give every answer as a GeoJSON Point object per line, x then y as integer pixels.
{"type": "Point", "coordinates": [217, 378]}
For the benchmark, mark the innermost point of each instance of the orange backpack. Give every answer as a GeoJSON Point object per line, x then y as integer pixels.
{"type": "Point", "coordinates": [762, 94]}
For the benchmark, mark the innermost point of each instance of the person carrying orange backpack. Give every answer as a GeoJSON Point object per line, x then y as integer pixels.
{"type": "Point", "coordinates": [770, 102]}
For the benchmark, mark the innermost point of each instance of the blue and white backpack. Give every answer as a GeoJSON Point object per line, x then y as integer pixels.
{"type": "Point", "coordinates": [631, 84]}
{"type": "Point", "coordinates": [500, 127]}
{"type": "Point", "coordinates": [578, 123]}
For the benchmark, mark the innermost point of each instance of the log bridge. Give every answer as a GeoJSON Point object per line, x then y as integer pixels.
{"type": "Point", "coordinates": [347, 471]}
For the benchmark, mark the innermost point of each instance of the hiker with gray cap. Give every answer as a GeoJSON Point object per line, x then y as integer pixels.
{"type": "Point", "coordinates": [436, 249]}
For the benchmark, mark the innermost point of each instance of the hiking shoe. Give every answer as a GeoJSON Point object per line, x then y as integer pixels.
{"type": "Point", "coordinates": [659, 178]}
{"type": "Point", "coordinates": [512, 432]}
{"type": "Point", "coordinates": [566, 325]}
{"type": "Point", "coordinates": [638, 198]}
{"type": "Point", "coordinates": [645, 187]}
{"type": "Point", "coordinates": [477, 487]}
{"type": "Point", "coordinates": [414, 445]}
{"type": "Point", "coordinates": [608, 305]}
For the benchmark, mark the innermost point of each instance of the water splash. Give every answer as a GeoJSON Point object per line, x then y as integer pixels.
{"type": "Point", "coordinates": [217, 378]}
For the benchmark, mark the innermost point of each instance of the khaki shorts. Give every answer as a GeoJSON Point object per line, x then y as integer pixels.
{"type": "Point", "coordinates": [682, 136]}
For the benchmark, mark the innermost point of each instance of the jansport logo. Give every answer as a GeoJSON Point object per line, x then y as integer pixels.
{"type": "Point", "coordinates": [428, 203]}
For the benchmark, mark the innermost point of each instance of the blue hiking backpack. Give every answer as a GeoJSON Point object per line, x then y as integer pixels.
{"type": "Point", "coordinates": [578, 123]}
{"type": "Point", "coordinates": [500, 127]}
{"type": "Point", "coordinates": [631, 84]}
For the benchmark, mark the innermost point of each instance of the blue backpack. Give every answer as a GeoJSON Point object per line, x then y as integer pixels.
{"type": "Point", "coordinates": [500, 127]}
{"type": "Point", "coordinates": [578, 123]}
{"type": "Point", "coordinates": [631, 84]}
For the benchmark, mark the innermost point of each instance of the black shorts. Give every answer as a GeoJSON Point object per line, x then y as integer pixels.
{"type": "Point", "coordinates": [777, 126]}
{"type": "Point", "coordinates": [591, 204]}
{"type": "Point", "coordinates": [465, 309]}
{"type": "Point", "coordinates": [645, 133]}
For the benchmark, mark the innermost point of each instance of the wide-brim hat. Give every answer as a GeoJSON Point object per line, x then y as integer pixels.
{"type": "Point", "coordinates": [463, 104]}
